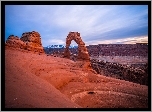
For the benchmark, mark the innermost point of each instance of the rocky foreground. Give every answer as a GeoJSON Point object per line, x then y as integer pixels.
{"type": "Point", "coordinates": [34, 80]}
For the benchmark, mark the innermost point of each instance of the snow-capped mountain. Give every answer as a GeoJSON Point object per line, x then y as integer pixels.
{"type": "Point", "coordinates": [61, 46]}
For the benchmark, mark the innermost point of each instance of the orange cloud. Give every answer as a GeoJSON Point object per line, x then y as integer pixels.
{"type": "Point", "coordinates": [129, 40]}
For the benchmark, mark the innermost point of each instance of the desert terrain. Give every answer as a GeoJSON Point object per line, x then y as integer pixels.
{"type": "Point", "coordinates": [35, 80]}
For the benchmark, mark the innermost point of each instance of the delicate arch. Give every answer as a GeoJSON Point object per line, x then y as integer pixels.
{"type": "Point", "coordinates": [82, 50]}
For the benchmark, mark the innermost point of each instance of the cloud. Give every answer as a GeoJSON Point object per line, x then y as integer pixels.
{"type": "Point", "coordinates": [94, 22]}
{"type": "Point", "coordinates": [136, 40]}
{"type": "Point", "coordinates": [129, 40]}
{"type": "Point", "coordinates": [56, 41]}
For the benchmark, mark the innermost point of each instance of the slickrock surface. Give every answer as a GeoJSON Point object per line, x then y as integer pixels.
{"type": "Point", "coordinates": [24, 89]}
{"type": "Point", "coordinates": [34, 81]}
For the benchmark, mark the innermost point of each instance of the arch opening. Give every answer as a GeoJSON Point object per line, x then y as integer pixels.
{"type": "Point", "coordinates": [73, 48]}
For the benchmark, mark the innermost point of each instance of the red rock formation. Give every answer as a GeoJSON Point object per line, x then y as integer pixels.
{"type": "Point", "coordinates": [33, 41]}
{"type": "Point", "coordinates": [15, 42]}
{"type": "Point", "coordinates": [83, 59]}
{"type": "Point", "coordinates": [30, 41]}
{"type": "Point", "coordinates": [82, 50]}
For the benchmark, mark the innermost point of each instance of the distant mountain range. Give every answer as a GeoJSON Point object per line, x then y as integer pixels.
{"type": "Point", "coordinates": [60, 46]}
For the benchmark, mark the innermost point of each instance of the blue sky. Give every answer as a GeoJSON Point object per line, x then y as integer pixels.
{"type": "Point", "coordinates": [97, 24]}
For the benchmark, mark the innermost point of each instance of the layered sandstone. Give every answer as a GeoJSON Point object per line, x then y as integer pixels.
{"type": "Point", "coordinates": [83, 58]}
{"type": "Point", "coordinates": [33, 41]}
{"type": "Point", "coordinates": [15, 42]}
{"type": "Point", "coordinates": [82, 50]}
{"type": "Point", "coordinates": [30, 41]}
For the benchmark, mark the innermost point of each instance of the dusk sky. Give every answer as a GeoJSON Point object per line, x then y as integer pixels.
{"type": "Point", "coordinates": [97, 24]}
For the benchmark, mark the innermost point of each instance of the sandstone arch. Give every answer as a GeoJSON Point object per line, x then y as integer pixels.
{"type": "Point", "coordinates": [82, 50]}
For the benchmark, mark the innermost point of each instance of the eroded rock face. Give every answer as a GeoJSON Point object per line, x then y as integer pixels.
{"type": "Point", "coordinates": [33, 41]}
{"type": "Point", "coordinates": [30, 41]}
{"type": "Point", "coordinates": [82, 50]}
{"type": "Point", "coordinates": [83, 58]}
{"type": "Point", "coordinates": [15, 42]}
